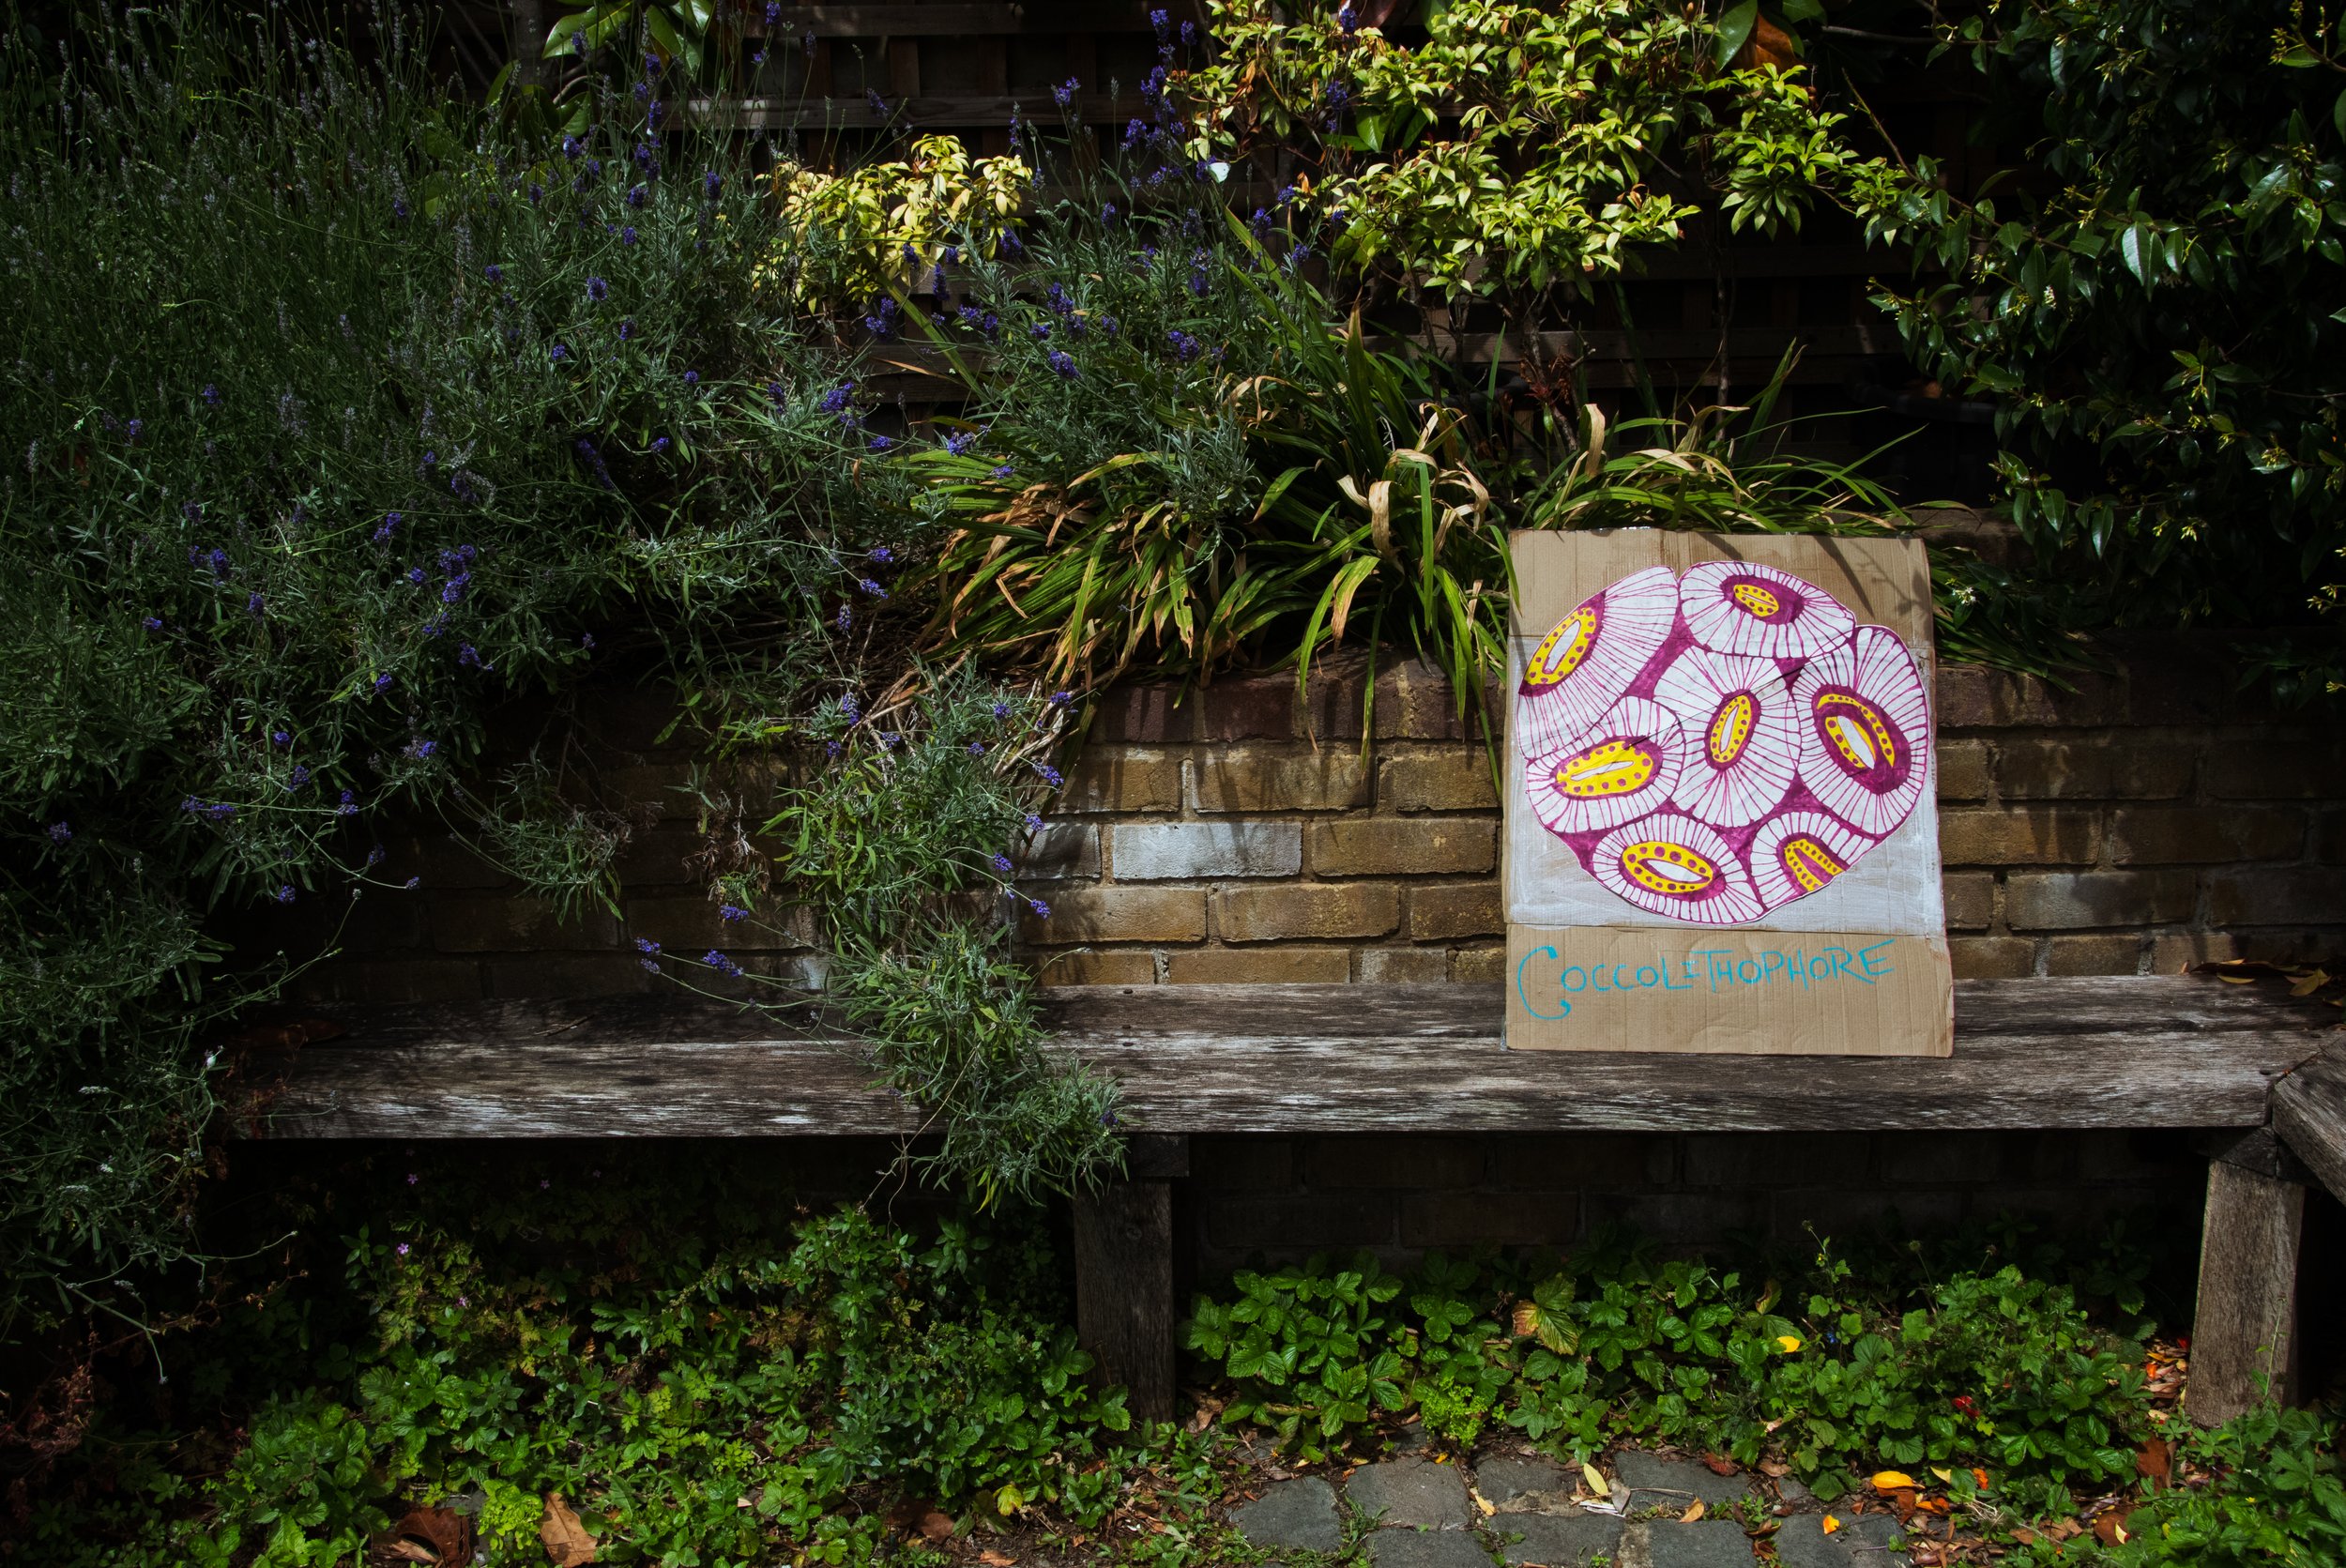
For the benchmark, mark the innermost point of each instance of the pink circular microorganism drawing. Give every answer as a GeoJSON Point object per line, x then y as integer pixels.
{"type": "Point", "coordinates": [1673, 865]}
{"type": "Point", "coordinates": [1586, 664]}
{"type": "Point", "coordinates": [1622, 768]}
{"type": "Point", "coordinates": [1715, 746]}
{"type": "Point", "coordinates": [1743, 607]}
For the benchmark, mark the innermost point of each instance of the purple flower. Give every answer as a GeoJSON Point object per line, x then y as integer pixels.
{"type": "Point", "coordinates": [1041, 910]}
{"type": "Point", "coordinates": [468, 654]}
{"type": "Point", "coordinates": [691, 378]}
{"type": "Point", "coordinates": [495, 273]}
{"type": "Point", "coordinates": [1162, 22]}
{"type": "Point", "coordinates": [844, 620]}
{"type": "Point", "coordinates": [880, 443]}
{"type": "Point", "coordinates": [1001, 710]}
{"type": "Point", "coordinates": [598, 289]}
{"type": "Point", "coordinates": [403, 1249]}
{"type": "Point", "coordinates": [1348, 19]}
{"type": "Point", "coordinates": [572, 145]}
{"type": "Point", "coordinates": [729, 913]}
{"type": "Point", "coordinates": [1005, 471]}
{"type": "Point", "coordinates": [872, 588]}
{"type": "Point", "coordinates": [415, 575]}
{"type": "Point", "coordinates": [399, 208]}
{"type": "Point", "coordinates": [348, 806]}
{"type": "Point", "coordinates": [1185, 347]}
{"type": "Point", "coordinates": [422, 749]}
{"type": "Point", "coordinates": [153, 623]}
{"type": "Point", "coordinates": [877, 105]}
{"type": "Point", "coordinates": [1050, 775]}
{"type": "Point", "coordinates": [634, 197]}
{"type": "Point", "coordinates": [253, 605]}
{"type": "Point", "coordinates": [627, 329]}
{"type": "Point", "coordinates": [977, 748]}
{"type": "Point", "coordinates": [722, 964]}
{"type": "Point", "coordinates": [660, 445]}
{"type": "Point", "coordinates": [586, 641]}
{"type": "Point", "coordinates": [883, 555]}
{"type": "Point", "coordinates": [959, 444]}
{"type": "Point", "coordinates": [301, 776]}
{"type": "Point", "coordinates": [283, 894]}
{"type": "Point", "coordinates": [1062, 366]}
{"type": "Point", "coordinates": [280, 738]}
{"type": "Point", "coordinates": [1034, 823]}
{"type": "Point", "coordinates": [60, 833]}
{"type": "Point", "coordinates": [712, 183]}
{"type": "Point", "coordinates": [1064, 94]}
{"type": "Point", "coordinates": [840, 400]}
{"type": "Point", "coordinates": [391, 521]}
{"type": "Point", "coordinates": [560, 353]}
{"type": "Point", "coordinates": [1060, 699]}
{"type": "Point", "coordinates": [627, 234]}
{"type": "Point", "coordinates": [211, 395]}
{"type": "Point", "coordinates": [593, 460]}
{"type": "Point", "coordinates": [1001, 863]}
{"type": "Point", "coordinates": [646, 945]}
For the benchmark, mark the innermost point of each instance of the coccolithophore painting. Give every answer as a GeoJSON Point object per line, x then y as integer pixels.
{"type": "Point", "coordinates": [1717, 745]}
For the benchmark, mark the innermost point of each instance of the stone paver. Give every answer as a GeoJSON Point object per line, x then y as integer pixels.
{"type": "Point", "coordinates": [1299, 1515]}
{"type": "Point", "coordinates": [1426, 1548]}
{"type": "Point", "coordinates": [1410, 1492]}
{"type": "Point", "coordinates": [1860, 1543]}
{"type": "Point", "coordinates": [1657, 1482]}
{"type": "Point", "coordinates": [1503, 1478]}
{"type": "Point", "coordinates": [1558, 1540]}
{"type": "Point", "coordinates": [1704, 1544]}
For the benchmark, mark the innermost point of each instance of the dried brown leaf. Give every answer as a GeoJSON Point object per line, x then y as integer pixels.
{"type": "Point", "coordinates": [566, 1540]}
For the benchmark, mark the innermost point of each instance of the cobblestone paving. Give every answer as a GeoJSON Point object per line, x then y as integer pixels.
{"type": "Point", "coordinates": [1417, 1511]}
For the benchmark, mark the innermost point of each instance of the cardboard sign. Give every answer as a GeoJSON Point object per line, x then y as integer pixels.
{"type": "Point", "coordinates": [1722, 818]}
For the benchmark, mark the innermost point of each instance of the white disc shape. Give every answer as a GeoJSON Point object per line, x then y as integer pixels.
{"type": "Point", "coordinates": [1800, 852]}
{"type": "Point", "coordinates": [1582, 667]}
{"type": "Point", "coordinates": [1865, 728]}
{"type": "Point", "coordinates": [1742, 738]}
{"type": "Point", "coordinates": [1676, 866]}
{"type": "Point", "coordinates": [1621, 767]}
{"type": "Point", "coordinates": [1744, 608]}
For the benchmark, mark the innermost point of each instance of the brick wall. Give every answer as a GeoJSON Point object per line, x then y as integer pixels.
{"type": "Point", "coordinates": [2144, 821]}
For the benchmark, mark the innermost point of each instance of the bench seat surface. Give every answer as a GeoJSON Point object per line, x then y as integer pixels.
{"type": "Point", "coordinates": [2163, 1051]}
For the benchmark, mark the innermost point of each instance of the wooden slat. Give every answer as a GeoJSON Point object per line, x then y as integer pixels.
{"type": "Point", "coordinates": [950, 20]}
{"type": "Point", "coordinates": [2154, 1052]}
{"type": "Point", "coordinates": [2246, 1320]}
{"type": "Point", "coordinates": [950, 109]}
{"type": "Point", "coordinates": [2309, 1114]}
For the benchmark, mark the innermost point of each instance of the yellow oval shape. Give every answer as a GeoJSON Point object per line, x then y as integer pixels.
{"type": "Point", "coordinates": [1808, 863]}
{"type": "Point", "coordinates": [1562, 651]}
{"type": "Point", "coordinates": [1667, 867]}
{"type": "Point", "coordinates": [1755, 600]}
{"type": "Point", "coordinates": [1731, 727]}
{"type": "Point", "coordinates": [1609, 767]}
{"type": "Point", "coordinates": [1857, 732]}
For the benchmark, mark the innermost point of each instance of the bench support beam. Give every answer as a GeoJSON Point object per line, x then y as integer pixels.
{"type": "Point", "coordinates": [1124, 1274]}
{"type": "Point", "coordinates": [2241, 1332]}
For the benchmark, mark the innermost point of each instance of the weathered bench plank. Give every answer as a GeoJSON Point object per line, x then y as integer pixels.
{"type": "Point", "coordinates": [2104, 1052]}
{"type": "Point", "coordinates": [2309, 1114]}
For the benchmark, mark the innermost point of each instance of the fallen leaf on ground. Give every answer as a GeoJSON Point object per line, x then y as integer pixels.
{"type": "Point", "coordinates": [1694, 1512]}
{"type": "Point", "coordinates": [1596, 1480]}
{"type": "Point", "coordinates": [1902, 1502]}
{"type": "Point", "coordinates": [2061, 1530]}
{"type": "Point", "coordinates": [435, 1535]}
{"type": "Point", "coordinates": [2155, 1464]}
{"type": "Point", "coordinates": [1774, 1469]}
{"type": "Point", "coordinates": [935, 1526]}
{"type": "Point", "coordinates": [2109, 1531]}
{"type": "Point", "coordinates": [1980, 1476]}
{"type": "Point", "coordinates": [993, 1558]}
{"type": "Point", "coordinates": [1893, 1480]}
{"type": "Point", "coordinates": [566, 1540]}
{"type": "Point", "coordinates": [1830, 1523]}
{"type": "Point", "coordinates": [1483, 1503]}
{"type": "Point", "coordinates": [2025, 1537]}
{"type": "Point", "coordinates": [1717, 1466]}
{"type": "Point", "coordinates": [1932, 1505]}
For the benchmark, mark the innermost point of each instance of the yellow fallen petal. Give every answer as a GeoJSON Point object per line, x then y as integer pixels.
{"type": "Point", "coordinates": [1830, 1523]}
{"type": "Point", "coordinates": [1597, 1482]}
{"type": "Point", "coordinates": [1892, 1480]}
{"type": "Point", "coordinates": [1787, 1343]}
{"type": "Point", "coordinates": [1946, 1478]}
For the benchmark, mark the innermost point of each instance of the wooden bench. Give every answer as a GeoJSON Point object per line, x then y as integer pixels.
{"type": "Point", "coordinates": [2240, 1065]}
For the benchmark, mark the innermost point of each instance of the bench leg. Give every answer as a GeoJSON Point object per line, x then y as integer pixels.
{"type": "Point", "coordinates": [1124, 1290]}
{"type": "Point", "coordinates": [2248, 1305]}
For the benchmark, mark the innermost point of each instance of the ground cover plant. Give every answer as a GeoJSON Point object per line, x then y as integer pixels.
{"type": "Point", "coordinates": [665, 1355]}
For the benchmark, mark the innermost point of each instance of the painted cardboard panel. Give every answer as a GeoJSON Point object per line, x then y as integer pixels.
{"type": "Point", "coordinates": [1820, 928]}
